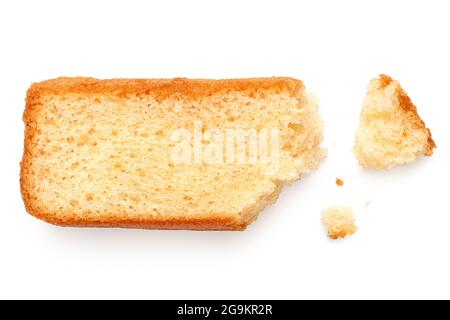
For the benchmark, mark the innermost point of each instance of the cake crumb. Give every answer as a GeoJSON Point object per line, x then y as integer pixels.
{"type": "Point", "coordinates": [339, 182]}
{"type": "Point", "coordinates": [339, 221]}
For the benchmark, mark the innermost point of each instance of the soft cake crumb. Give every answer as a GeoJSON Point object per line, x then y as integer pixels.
{"type": "Point", "coordinates": [339, 221]}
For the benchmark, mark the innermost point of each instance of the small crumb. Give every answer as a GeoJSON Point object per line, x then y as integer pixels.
{"type": "Point", "coordinates": [339, 221]}
{"type": "Point", "coordinates": [89, 197]}
{"type": "Point", "coordinates": [367, 203]}
{"type": "Point", "coordinates": [339, 182]}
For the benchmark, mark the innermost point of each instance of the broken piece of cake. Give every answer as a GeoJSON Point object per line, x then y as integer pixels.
{"type": "Point", "coordinates": [391, 132]}
{"type": "Point", "coordinates": [339, 220]}
{"type": "Point", "coordinates": [165, 153]}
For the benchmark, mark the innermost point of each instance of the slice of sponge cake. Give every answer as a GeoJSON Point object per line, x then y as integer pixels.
{"type": "Point", "coordinates": [164, 154]}
{"type": "Point", "coordinates": [391, 132]}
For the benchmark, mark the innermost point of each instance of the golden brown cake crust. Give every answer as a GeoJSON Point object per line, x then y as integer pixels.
{"type": "Point", "coordinates": [159, 89]}
{"type": "Point", "coordinates": [71, 219]}
{"type": "Point", "coordinates": [162, 88]}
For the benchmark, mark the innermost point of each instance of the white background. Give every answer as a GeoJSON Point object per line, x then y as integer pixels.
{"type": "Point", "coordinates": [401, 249]}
